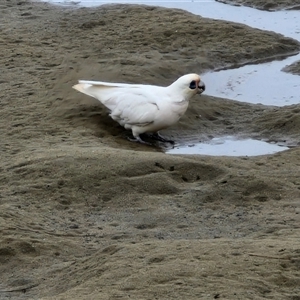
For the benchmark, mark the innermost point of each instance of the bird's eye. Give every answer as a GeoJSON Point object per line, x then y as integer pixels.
{"type": "Point", "coordinates": [193, 85]}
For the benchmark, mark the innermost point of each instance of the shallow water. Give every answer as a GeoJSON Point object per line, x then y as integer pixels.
{"type": "Point", "coordinates": [228, 146]}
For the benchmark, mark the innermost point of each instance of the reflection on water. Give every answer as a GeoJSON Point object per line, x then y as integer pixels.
{"type": "Point", "coordinates": [228, 146]}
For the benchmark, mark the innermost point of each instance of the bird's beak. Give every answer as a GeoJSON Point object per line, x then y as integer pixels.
{"type": "Point", "coordinates": [201, 87]}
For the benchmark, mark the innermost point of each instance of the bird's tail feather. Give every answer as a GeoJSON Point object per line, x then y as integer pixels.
{"type": "Point", "coordinates": [83, 88]}
{"type": "Point", "coordinates": [100, 92]}
{"type": "Point", "coordinates": [78, 87]}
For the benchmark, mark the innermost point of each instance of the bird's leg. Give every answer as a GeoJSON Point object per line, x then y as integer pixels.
{"type": "Point", "coordinates": [158, 137]}
{"type": "Point", "coordinates": [137, 139]}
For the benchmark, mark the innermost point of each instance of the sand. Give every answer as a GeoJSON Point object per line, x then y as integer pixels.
{"type": "Point", "coordinates": [293, 68]}
{"type": "Point", "coordinates": [86, 214]}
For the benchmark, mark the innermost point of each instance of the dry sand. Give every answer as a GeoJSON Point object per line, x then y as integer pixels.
{"type": "Point", "coordinates": [85, 214]}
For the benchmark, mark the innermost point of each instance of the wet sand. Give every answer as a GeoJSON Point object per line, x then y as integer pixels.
{"type": "Point", "coordinates": [293, 68]}
{"type": "Point", "coordinates": [86, 214]}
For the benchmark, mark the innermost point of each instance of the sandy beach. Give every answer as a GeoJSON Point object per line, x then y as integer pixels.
{"type": "Point", "coordinates": [87, 214]}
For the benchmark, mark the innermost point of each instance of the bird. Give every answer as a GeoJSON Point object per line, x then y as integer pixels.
{"type": "Point", "coordinates": [145, 108]}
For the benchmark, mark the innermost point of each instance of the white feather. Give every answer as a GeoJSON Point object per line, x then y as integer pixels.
{"type": "Point", "coordinates": [143, 108]}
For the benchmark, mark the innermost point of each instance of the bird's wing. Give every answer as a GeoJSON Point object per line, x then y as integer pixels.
{"type": "Point", "coordinates": [129, 104]}
{"type": "Point", "coordinates": [133, 108]}
{"type": "Point", "coordinates": [136, 110]}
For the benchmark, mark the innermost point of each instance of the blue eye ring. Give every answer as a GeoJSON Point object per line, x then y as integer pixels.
{"type": "Point", "coordinates": [193, 85]}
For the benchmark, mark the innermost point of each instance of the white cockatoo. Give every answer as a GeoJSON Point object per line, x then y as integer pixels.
{"type": "Point", "coordinates": [145, 108]}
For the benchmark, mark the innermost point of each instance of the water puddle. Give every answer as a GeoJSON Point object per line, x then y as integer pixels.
{"type": "Point", "coordinates": [228, 146]}
{"type": "Point", "coordinates": [254, 83]}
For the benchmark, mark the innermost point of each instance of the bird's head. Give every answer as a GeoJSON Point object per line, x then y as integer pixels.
{"type": "Point", "coordinates": [189, 85]}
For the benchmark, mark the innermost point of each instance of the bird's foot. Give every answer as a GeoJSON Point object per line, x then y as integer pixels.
{"type": "Point", "coordinates": [158, 137]}
{"type": "Point", "coordinates": [139, 140]}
